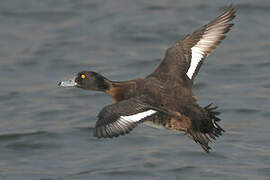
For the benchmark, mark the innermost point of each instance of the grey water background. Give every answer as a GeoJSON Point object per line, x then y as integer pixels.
{"type": "Point", "coordinates": [46, 131]}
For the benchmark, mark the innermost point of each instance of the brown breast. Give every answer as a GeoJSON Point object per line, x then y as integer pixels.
{"type": "Point", "coordinates": [120, 91]}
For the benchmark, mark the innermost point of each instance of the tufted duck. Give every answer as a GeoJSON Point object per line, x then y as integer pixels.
{"type": "Point", "coordinates": [164, 97]}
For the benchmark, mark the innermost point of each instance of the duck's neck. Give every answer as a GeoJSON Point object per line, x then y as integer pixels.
{"type": "Point", "coordinates": [120, 90]}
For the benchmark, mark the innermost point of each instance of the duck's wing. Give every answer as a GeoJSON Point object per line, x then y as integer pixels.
{"type": "Point", "coordinates": [186, 56]}
{"type": "Point", "coordinates": [120, 118]}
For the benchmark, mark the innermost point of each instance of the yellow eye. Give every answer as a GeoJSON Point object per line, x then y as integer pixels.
{"type": "Point", "coordinates": [83, 76]}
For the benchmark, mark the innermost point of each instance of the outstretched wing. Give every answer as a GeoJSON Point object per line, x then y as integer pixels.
{"type": "Point", "coordinates": [189, 53]}
{"type": "Point", "coordinates": [120, 118]}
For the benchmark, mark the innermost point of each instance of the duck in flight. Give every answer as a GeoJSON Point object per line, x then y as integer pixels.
{"type": "Point", "coordinates": [163, 98]}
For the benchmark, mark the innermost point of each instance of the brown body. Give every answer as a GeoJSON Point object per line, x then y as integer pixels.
{"type": "Point", "coordinates": [179, 100]}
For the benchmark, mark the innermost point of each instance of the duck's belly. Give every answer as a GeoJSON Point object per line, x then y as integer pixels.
{"type": "Point", "coordinates": [154, 125]}
{"type": "Point", "coordinates": [159, 121]}
{"type": "Point", "coordinates": [172, 123]}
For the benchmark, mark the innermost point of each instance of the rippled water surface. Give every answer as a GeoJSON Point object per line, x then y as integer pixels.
{"type": "Point", "coordinates": [46, 131]}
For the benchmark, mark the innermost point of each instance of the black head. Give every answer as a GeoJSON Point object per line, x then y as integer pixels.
{"type": "Point", "coordinates": [88, 80]}
{"type": "Point", "coordinates": [91, 81]}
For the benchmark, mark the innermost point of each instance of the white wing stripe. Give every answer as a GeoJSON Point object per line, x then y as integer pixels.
{"type": "Point", "coordinates": [196, 57]}
{"type": "Point", "coordinates": [139, 116]}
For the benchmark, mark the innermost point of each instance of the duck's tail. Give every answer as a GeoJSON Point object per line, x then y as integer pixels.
{"type": "Point", "coordinates": [213, 113]}
{"type": "Point", "coordinates": [209, 129]}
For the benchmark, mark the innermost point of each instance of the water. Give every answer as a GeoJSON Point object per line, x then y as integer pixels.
{"type": "Point", "coordinates": [46, 131]}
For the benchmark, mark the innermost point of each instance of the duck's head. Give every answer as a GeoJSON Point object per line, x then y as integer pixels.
{"type": "Point", "coordinates": [88, 80]}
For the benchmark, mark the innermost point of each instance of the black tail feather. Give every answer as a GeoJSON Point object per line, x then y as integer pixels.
{"type": "Point", "coordinates": [203, 138]}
